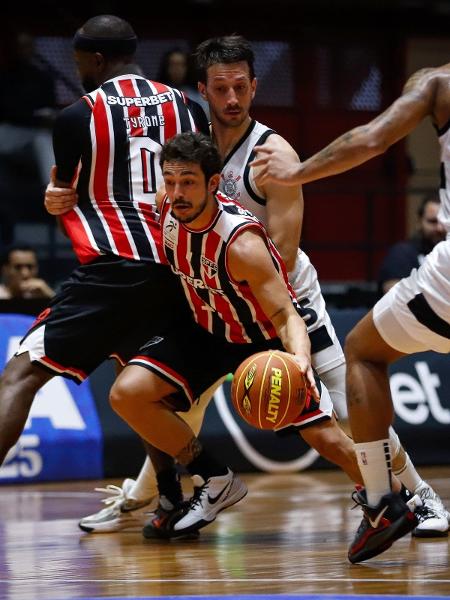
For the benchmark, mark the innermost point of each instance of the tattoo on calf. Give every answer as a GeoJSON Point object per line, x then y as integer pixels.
{"type": "Point", "coordinates": [189, 452]}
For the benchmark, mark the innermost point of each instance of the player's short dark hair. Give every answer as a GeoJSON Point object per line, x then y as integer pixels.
{"type": "Point", "coordinates": [107, 34]}
{"type": "Point", "coordinates": [190, 147]}
{"type": "Point", "coordinates": [226, 49]}
{"type": "Point", "coordinates": [428, 198]}
{"type": "Point", "coordinates": [15, 247]}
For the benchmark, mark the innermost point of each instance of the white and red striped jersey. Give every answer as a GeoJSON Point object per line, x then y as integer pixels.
{"type": "Point", "coordinates": [108, 144]}
{"type": "Point", "coordinates": [224, 307]}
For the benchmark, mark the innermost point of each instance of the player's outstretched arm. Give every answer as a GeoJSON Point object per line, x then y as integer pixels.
{"type": "Point", "coordinates": [357, 145]}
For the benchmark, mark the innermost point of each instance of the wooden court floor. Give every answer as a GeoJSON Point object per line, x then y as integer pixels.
{"type": "Point", "coordinates": [289, 536]}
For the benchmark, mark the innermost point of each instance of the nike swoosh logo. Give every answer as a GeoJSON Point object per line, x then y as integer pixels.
{"type": "Point", "coordinates": [214, 500]}
{"type": "Point", "coordinates": [376, 521]}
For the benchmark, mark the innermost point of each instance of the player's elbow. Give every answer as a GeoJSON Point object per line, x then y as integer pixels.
{"type": "Point", "coordinates": [371, 140]}
{"type": "Point", "coordinates": [377, 145]}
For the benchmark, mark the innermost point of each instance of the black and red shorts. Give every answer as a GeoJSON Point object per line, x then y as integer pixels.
{"type": "Point", "coordinates": [109, 307]}
{"type": "Point", "coordinates": [192, 359]}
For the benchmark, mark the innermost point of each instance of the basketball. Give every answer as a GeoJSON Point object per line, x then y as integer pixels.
{"type": "Point", "coordinates": [268, 390]}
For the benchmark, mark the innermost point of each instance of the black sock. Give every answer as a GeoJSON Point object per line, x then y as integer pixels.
{"type": "Point", "coordinates": [206, 466]}
{"type": "Point", "coordinates": [169, 485]}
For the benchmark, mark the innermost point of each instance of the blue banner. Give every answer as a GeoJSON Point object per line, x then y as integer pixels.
{"type": "Point", "coordinates": [62, 438]}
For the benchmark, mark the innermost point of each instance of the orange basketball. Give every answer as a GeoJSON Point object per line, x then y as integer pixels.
{"type": "Point", "coordinates": [268, 390]}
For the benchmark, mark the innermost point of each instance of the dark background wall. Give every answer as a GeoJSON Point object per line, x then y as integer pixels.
{"type": "Point", "coordinates": [323, 68]}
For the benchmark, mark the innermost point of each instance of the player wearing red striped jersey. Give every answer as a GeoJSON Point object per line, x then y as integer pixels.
{"type": "Point", "coordinates": [237, 288]}
{"type": "Point", "coordinates": [107, 145]}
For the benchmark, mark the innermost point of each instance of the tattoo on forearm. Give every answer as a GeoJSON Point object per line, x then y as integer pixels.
{"type": "Point", "coordinates": [189, 452]}
{"type": "Point", "coordinates": [329, 151]}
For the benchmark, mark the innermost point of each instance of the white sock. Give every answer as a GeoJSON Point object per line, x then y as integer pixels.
{"type": "Point", "coordinates": [374, 461]}
{"type": "Point", "coordinates": [407, 472]}
{"type": "Point", "coordinates": [409, 476]}
{"type": "Point", "coordinates": [145, 486]}
{"type": "Point", "coordinates": [395, 442]}
{"type": "Point", "coordinates": [334, 380]}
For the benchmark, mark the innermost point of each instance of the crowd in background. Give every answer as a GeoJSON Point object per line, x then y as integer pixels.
{"type": "Point", "coordinates": [26, 157]}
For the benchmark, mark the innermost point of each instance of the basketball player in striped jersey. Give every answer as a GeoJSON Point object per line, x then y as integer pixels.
{"type": "Point", "coordinates": [228, 83]}
{"type": "Point", "coordinates": [414, 316]}
{"type": "Point", "coordinates": [107, 145]}
{"type": "Point", "coordinates": [237, 288]}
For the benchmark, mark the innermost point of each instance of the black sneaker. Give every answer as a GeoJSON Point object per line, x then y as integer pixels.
{"type": "Point", "coordinates": [381, 525]}
{"type": "Point", "coordinates": [161, 524]}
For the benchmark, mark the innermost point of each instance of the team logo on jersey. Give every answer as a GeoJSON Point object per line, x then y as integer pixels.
{"type": "Point", "coordinates": [171, 225]}
{"type": "Point", "coordinates": [230, 185]}
{"type": "Point", "coordinates": [210, 267]}
{"type": "Point", "coordinates": [170, 234]}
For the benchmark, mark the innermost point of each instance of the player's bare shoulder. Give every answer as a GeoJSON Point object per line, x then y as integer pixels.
{"type": "Point", "coordinates": [247, 250]}
{"type": "Point", "coordinates": [278, 142]}
{"type": "Point", "coordinates": [433, 86]}
{"type": "Point", "coordinates": [442, 97]}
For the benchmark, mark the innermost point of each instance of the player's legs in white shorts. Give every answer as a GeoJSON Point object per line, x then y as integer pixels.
{"type": "Point", "coordinates": [414, 316]}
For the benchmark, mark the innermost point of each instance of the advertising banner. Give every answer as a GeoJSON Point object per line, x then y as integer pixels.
{"type": "Point", "coordinates": [420, 386]}
{"type": "Point", "coordinates": [72, 432]}
{"type": "Point", "coordinates": [62, 438]}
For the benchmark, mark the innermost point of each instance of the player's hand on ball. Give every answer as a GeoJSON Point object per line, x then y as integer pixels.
{"type": "Point", "coordinates": [304, 362]}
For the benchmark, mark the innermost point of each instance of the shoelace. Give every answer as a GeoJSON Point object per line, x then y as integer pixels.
{"type": "Point", "coordinates": [115, 492]}
{"type": "Point", "coordinates": [426, 512]}
{"type": "Point", "coordinates": [196, 499]}
{"type": "Point", "coordinates": [357, 499]}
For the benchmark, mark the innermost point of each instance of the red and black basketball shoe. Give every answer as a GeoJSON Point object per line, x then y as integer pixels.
{"type": "Point", "coordinates": [383, 524]}
{"type": "Point", "coordinates": [161, 524]}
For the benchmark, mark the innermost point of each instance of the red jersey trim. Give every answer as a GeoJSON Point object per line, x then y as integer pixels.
{"type": "Point", "coordinates": [57, 368]}
{"type": "Point", "coordinates": [166, 372]}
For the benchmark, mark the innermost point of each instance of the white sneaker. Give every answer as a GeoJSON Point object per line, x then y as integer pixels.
{"type": "Point", "coordinates": [210, 497]}
{"type": "Point", "coordinates": [433, 517]}
{"type": "Point", "coordinates": [121, 512]}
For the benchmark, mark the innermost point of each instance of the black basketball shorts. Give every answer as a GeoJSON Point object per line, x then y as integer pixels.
{"type": "Point", "coordinates": [192, 359]}
{"type": "Point", "coordinates": [105, 308]}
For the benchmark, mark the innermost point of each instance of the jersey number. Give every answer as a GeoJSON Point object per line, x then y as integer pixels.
{"type": "Point", "coordinates": [308, 314]}
{"type": "Point", "coordinates": [145, 175]}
